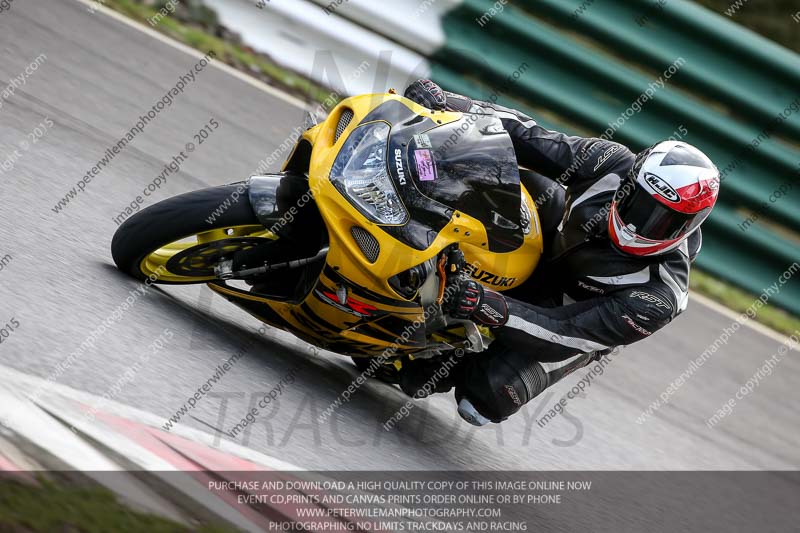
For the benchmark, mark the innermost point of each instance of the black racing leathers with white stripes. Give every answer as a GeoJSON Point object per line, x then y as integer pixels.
{"type": "Point", "coordinates": [609, 298]}
{"type": "Point", "coordinates": [586, 297]}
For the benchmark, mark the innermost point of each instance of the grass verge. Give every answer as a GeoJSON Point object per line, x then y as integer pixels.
{"type": "Point", "coordinates": [52, 506]}
{"type": "Point", "coordinates": [739, 301]}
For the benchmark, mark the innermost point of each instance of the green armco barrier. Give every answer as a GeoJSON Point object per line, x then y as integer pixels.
{"type": "Point", "coordinates": [728, 251]}
{"type": "Point", "coordinates": [594, 91]}
{"type": "Point", "coordinates": [459, 84]}
{"type": "Point", "coordinates": [752, 260]}
{"type": "Point", "coordinates": [756, 86]}
{"type": "Point", "coordinates": [587, 90]}
{"type": "Point", "coordinates": [720, 32]}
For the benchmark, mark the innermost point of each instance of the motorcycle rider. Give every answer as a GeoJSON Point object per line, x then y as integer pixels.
{"type": "Point", "coordinates": [623, 231]}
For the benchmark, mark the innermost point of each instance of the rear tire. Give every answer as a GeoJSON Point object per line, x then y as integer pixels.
{"type": "Point", "coordinates": [177, 218]}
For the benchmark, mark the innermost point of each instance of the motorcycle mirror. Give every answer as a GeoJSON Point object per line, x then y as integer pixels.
{"type": "Point", "coordinates": [309, 120]}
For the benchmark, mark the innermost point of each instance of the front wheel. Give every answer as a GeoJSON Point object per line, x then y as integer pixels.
{"type": "Point", "coordinates": [180, 240]}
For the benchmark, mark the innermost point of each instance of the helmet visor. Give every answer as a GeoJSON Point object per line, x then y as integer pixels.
{"type": "Point", "coordinates": [652, 220]}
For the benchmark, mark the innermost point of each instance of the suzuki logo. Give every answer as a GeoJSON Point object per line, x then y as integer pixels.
{"type": "Point", "coordinates": [662, 187]}
{"type": "Point", "coordinates": [398, 160]}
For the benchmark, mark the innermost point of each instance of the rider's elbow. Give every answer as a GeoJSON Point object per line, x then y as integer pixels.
{"type": "Point", "coordinates": [643, 311]}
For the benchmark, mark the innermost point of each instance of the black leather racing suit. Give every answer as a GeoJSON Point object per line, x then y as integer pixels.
{"type": "Point", "coordinates": [586, 297]}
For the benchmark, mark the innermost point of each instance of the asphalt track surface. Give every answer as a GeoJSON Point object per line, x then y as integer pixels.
{"type": "Point", "coordinates": [99, 76]}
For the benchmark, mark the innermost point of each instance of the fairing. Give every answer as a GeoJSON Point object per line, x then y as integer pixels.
{"type": "Point", "coordinates": [465, 190]}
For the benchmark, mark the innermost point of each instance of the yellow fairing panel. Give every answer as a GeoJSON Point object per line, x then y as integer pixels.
{"type": "Point", "coordinates": [500, 271]}
{"type": "Point", "coordinates": [353, 309]}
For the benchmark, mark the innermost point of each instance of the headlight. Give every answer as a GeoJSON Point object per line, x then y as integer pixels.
{"type": "Point", "coordinates": [360, 174]}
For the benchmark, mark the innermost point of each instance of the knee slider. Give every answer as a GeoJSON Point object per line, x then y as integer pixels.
{"type": "Point", "coordinates": [499, 384]}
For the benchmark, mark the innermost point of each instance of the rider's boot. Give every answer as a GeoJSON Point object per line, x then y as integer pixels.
{"type": "Point", "coordinates": [498, 382]}
{"type": "Point", "coordinates": [422, 377]}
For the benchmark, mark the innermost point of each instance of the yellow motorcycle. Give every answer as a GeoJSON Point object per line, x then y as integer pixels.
{"type": "Point", "coordinates": [347, 246]}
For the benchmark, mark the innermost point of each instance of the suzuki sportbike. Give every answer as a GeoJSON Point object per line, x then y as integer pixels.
{"type": "Point", "coordinates": [347, 247]}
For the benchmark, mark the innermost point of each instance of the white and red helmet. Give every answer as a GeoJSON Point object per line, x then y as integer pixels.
{"type": "Point", "coordinates": [668, 193]}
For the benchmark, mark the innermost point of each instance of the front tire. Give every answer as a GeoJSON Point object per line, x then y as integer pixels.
{"type": "Point", "coordinates": [157, 241]}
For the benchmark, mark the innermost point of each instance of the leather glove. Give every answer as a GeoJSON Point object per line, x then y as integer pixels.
{"type": "Point", "coordinates": [465, 298]}
{"type": "Point", "coordinates": [426, 93]}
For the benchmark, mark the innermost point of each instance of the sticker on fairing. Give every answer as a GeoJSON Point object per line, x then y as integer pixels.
{"type": "Point", "coordinates": [423, 141]}
{"type": "Point", "coordinates": [425, 169]}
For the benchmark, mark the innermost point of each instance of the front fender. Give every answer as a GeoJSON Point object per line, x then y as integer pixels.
{"type": "Point", "coordinates": [283, 203]}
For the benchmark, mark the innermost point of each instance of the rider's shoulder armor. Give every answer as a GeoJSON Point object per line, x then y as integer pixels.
{"type": "Point", "coordinates": [601, 157]}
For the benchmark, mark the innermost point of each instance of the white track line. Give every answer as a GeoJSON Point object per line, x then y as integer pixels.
{"type": "Point", "coordinates": [27, 382]}
{"type": "Point", "coordinates": [755, 326]}
{"type": "Point", "coordinates": [734, 316]}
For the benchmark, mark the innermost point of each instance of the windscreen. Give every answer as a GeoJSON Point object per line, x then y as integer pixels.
{"type": "Point", "coordinates": [470, 165]}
